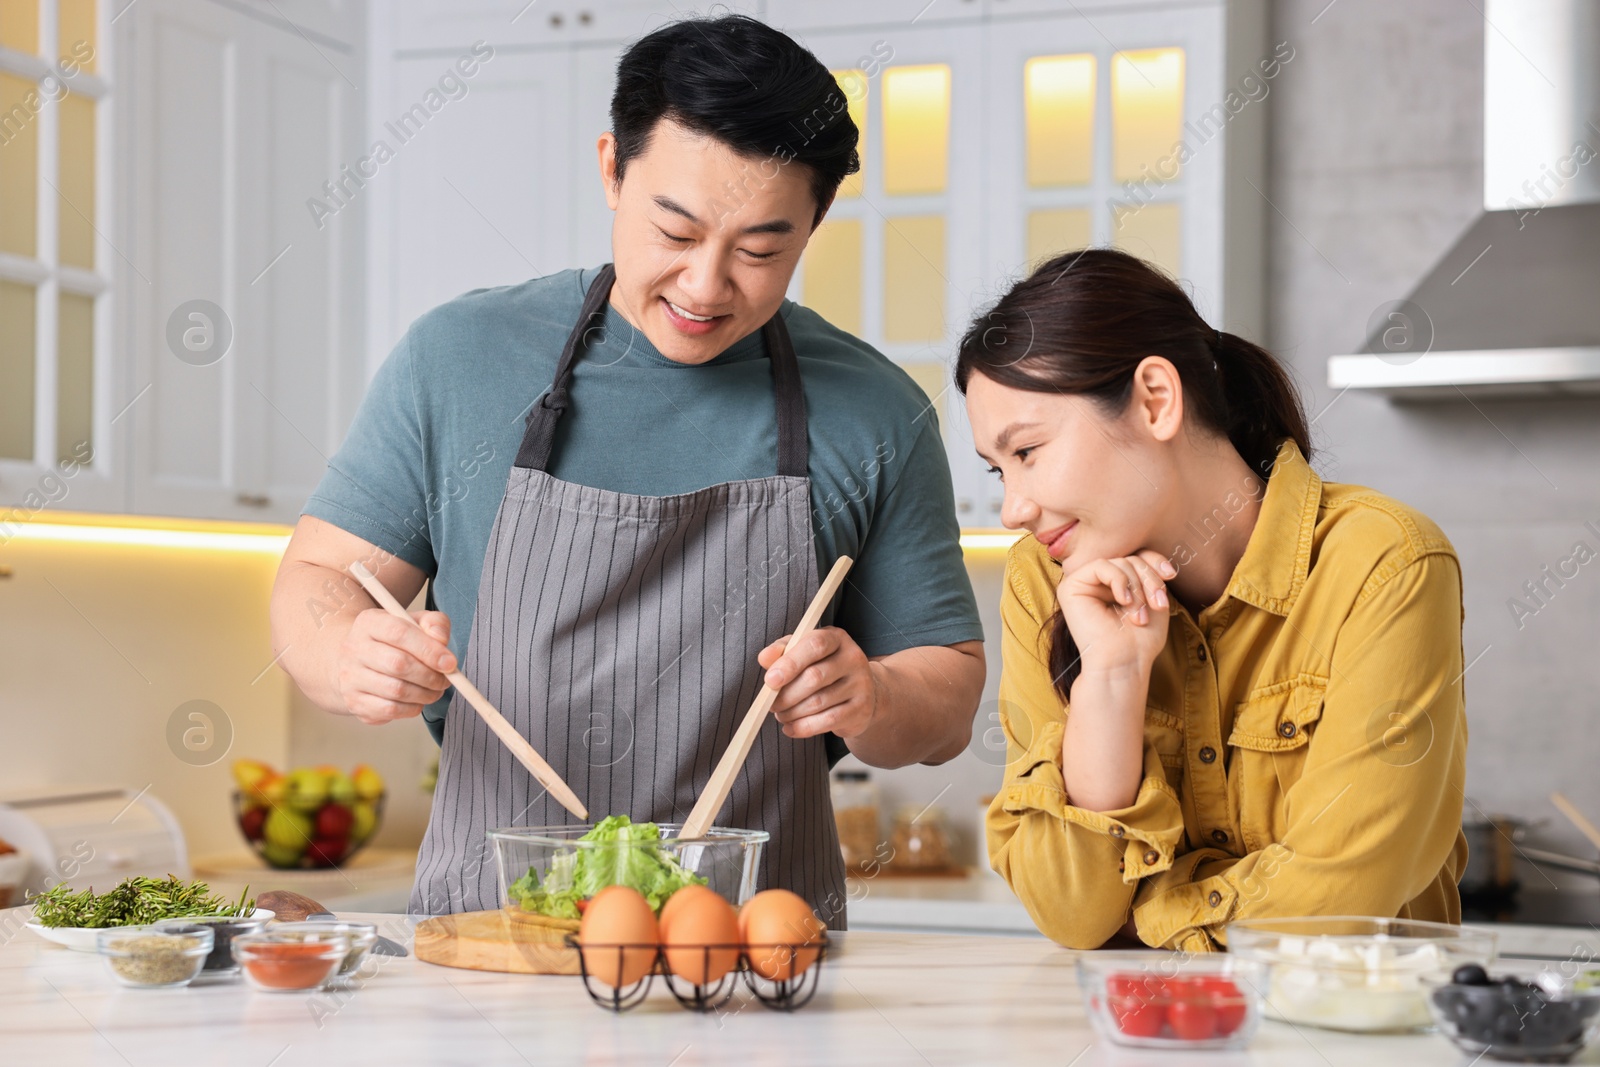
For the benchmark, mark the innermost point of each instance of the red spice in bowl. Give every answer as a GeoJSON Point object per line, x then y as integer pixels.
{"type": "Point", "coordinates": [279, 965]}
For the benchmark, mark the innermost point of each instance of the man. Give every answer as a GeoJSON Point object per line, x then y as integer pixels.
{"type": "Point", "coordinates": [623, 484]}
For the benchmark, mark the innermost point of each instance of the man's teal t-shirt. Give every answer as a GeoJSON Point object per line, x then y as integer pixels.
{"type": "Point", "coordinates": [425, 464]}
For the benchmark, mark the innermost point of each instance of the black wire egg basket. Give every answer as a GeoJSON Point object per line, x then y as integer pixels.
{"type": "Point", "coordinates": [791, 985]}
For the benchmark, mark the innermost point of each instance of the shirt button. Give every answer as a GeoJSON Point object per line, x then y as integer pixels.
{"type": "Point", "coordinates": [1201, 652]}
{"type": "Point", "coordinates": [1287, 729]}
{"type": "Point", "coordinates": [1208, 755]}
{"type": "Point", "coordinates": [1117, 831]}
{"type": "Point", "coordinates": [1150, 857]}
{"type": "Point", "coordinates": [1220, 836]}
{"type": "Point", "coordinates": [1214, 899]}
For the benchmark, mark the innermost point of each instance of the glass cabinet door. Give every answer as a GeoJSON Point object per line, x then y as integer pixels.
{"type": "Point", "coordinates": [1085, 119]}
{"type": "Point", "coordinates": [985, 152]}
{"type": "Point", "coordinates": [896, 262]}
{"type": "Point", "coordinates": [53, 263]}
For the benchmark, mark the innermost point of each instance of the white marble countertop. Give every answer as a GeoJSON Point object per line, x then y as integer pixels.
{"type": "Point", "coordinates": [885, 998]}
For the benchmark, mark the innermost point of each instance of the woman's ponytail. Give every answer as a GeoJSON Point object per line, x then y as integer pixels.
{"type": "Point", "coordinates": [1084, 321]}
{"type": "Point", "coordinates": [1260, 406]}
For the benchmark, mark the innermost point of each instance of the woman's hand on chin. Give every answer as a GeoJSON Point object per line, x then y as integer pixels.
{"type": "Point", "coordinates": [1116, 609]}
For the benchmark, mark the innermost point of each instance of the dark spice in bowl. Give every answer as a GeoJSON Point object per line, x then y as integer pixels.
{"type": "Point", "coordinates": [224, 928]}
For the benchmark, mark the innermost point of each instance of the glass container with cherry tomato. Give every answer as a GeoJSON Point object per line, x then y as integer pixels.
{"type": "Point", "coordinates": [1171, 1000]}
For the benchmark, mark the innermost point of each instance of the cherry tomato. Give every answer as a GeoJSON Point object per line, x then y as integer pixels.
{"type": "Point", "coordinates": [1136, 1016]}
{"type": "Point", "coordinates": [583, 905]}
{"type": "Point", "coordinates": [1227, 1002]}
{"type": "Point", "coordinates": [1192, 1020]}
{"type": "Point", "coordinates": [1137, 984]}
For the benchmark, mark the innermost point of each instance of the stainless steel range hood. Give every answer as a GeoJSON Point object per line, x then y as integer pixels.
{"type": "Point", "coordinates": [1514, 308]}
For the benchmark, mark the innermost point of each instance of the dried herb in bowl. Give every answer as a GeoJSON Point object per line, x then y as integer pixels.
{"type": "Point", "coordinates": [134, 902]}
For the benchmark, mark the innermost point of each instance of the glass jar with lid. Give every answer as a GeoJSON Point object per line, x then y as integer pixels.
{"type": "Point", "coordinates": [920, 838]}
{"type": "Point", "coordinates": [855, 811]}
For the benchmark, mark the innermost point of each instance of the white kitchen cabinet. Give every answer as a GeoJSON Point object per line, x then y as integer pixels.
{"type": "Point", "coordinates": [481, 197]}
{"type": "Point", "coordinates": [891, 15]}
{"type": "Point", "coordinates": [247, 194]}
{"type": "Point", "coordinates": [506, 184]}
{"type": "Point", "coordinates": [432, 25]}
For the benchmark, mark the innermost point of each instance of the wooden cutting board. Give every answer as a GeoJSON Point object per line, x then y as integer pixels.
{"type": "Point", "coordinates": [494, 941]}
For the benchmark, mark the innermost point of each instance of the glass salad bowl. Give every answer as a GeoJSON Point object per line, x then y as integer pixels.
{"type": "Point", "coordinates": [548, 873]}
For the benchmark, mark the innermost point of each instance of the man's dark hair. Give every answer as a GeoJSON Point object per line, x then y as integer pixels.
{"type": "Point", "coordinates": [738, 80]}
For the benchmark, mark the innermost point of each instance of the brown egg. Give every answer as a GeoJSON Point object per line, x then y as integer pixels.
{"type": "Point", "coordinates": [619, 936]}
{"type": "Point", "coordinates": [780, 932]}
{"type": "Point", "coordinates": [694, 919]}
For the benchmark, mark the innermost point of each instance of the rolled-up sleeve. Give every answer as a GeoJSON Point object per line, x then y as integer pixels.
{"type": "Point", "coordinates": [1075, 870]}
{"type": "Point", "coordinates": [1376, 811]}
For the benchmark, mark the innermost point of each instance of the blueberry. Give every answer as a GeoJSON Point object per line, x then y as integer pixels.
{"type": "Point", "coordinates": [1470, 974]}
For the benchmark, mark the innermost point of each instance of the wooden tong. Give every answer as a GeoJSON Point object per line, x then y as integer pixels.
{"type": "Point", "coordinates": [541, 771]}
{"type": "Point", "coordinates": [721, 783]}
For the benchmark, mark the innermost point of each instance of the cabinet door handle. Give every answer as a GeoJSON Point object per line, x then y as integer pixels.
{"type": "Point", "coordinates": [253, 500]}
{"type": "Point", "coordinates": [964, 506]}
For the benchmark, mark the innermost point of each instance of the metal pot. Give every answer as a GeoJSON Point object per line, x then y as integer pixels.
{"type": "Point", "coordinates": [1492, 842]}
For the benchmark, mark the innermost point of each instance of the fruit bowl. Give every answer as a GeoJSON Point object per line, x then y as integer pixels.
{"type": "Point", "coordinates": [289, 839]}
{"type": "Point", "coordinates": [310, 818]}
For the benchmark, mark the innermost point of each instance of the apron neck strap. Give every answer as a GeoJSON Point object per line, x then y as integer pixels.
{"type": "Point", "coordinates": [538, 441]}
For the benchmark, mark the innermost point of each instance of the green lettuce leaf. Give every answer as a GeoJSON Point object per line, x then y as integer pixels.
{"type": "Point", "coordinates": [629, 854]}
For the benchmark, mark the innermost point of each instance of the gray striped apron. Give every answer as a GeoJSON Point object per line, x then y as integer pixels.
{"type": "Point", "coordinates": [618, 633]}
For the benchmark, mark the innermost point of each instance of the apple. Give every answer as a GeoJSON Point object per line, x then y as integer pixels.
{"type": "Point", "coordinates": [287, 829]}
{"type": "Point", "coordinates": [279, 856]}
{"type": "Point", "coordinates": [274, 789]}
{"type": "Point", "coordinates": [327, 851]}
{"type": "Point", "coordinates": [364, 819]}
{"type": "Point", "coordinates": [341, 788]}
{"type": "Point", "coordinates": [248, 774]}
{"type": "Point", "coordinates": [368, 782]}
{"type": "Point", "coordinates": [334, 820]}
{"type": "Point", "coordinates": [306, 789]}
{"type": "Point", "coordinates": [252, 822]}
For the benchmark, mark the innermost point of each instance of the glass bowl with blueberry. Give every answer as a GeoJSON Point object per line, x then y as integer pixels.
{"type": "Point", "coordinates": [1542, 1017]}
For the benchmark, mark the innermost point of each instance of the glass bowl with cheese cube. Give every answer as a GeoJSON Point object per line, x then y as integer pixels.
{"type": "Point", "coordinates": [1355, 973]}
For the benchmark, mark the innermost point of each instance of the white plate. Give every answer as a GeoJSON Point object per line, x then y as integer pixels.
{"type": "Point", "coordinates": [82, 938]}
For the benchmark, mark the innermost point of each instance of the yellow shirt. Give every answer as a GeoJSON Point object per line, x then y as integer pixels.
{"type": "Point", "coordinates": [1304, 742]}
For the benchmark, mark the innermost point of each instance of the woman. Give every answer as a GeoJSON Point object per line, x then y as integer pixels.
{"type": "Point", "coordinates": [1230, 689]}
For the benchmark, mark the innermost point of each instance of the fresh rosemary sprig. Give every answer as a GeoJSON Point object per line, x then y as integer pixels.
{"type": "Point", "coordinates": [133, 902]}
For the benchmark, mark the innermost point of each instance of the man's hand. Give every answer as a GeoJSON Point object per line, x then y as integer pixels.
{"type": "Point", "coordinates": [825, 684]}
{"type": "Point", "coordinates": [388, 670]}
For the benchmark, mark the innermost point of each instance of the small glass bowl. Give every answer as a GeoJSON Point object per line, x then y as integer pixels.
{"type": "Point", "coordinates": [220, 964]}
{"type": "Point", "coordinates": [1357, 973]}
{"type": "Point", "coordinates": [361, 936]}
{"type": "Point", "coordinates": [148, 957]}
{"type": "Point", "coordinates": [1543, 1019]}
{"type": "Point", "coordinates": [293, 964]}
{"type": "Point", "coordinates": [1171, 1001]}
